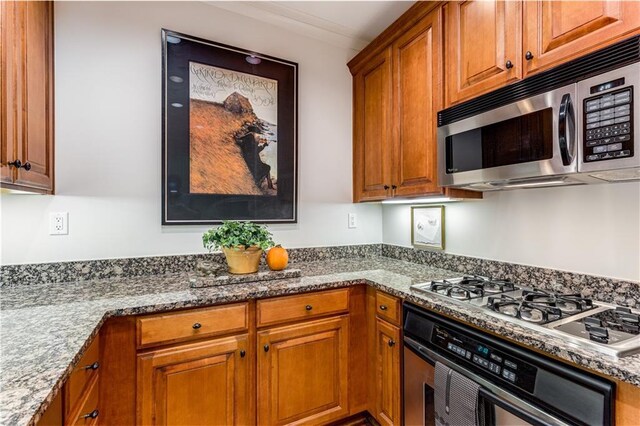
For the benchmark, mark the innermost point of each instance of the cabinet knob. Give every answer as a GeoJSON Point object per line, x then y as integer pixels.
{"type": "Point", "coordinates": [383, 307]}
{"type": "Point", "coordinates": [528, 56]}
{"type": "Point", "coordinates": [93, 366]}
{"type": "Point", "coordinates": [308, 307]}
{"type": "Point", "coordinates": [197, 326]}
{"type": "Point", "coordinates": [391, 342]}
{"type": "Point", "coordinates": [266, 348]}
{"type": "Point", "coordinates": [509, 65]}
{"type": "Point", "coordinates": [386, 187]}
{"type": "Point", "coordinates": [91, 415]}
{"type": "Point", "coordinates": [19, 164]}
{"type": "Point", "coordinates": [242, 353]}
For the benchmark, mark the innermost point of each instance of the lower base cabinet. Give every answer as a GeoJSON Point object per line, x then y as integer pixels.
{"type": "Point", "coordinates": [387, 388]}
{"type": "Point", "coordinates": [195, 384]}
{"type": "Point", "coordinates": [303, 372]}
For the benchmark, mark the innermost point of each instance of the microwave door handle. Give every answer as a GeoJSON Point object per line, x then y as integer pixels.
{"type": "Point", "coordinates": [566, 130]}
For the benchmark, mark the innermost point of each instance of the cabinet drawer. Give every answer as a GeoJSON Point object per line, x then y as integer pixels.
{"type": "Point", "coordinates": [82, 374]}
{"type": "Point", "coordinates": [388, 307]}
{"type": "Point", "coordinates": [192, 324]}
{"type": "Point", "coordinates": [290, 308]}
{"type": "Point", "coordinates": [87, 412]}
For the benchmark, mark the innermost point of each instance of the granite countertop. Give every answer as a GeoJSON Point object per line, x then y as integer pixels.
{"type": "Point", "coordinates": [45, 328]}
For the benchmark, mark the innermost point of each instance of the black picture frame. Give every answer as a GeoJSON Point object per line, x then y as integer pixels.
{"type": "Point", "coordinates": [276, 200]}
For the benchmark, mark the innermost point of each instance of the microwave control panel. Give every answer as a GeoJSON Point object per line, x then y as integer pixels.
{"type": "Point", "coordinates": [608, 126]}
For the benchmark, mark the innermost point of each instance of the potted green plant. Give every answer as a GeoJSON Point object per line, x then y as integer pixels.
{"type": "Point", "coordinates": [241, 242]}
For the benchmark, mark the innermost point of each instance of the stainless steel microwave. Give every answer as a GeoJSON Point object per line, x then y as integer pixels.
{"type": "Point", "coordinates": [581, 132]}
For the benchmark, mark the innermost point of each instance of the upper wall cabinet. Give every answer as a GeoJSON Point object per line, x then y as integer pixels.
{"type": "Point", "coordinates": [372, 150]}
{"type": "Point", "coordinates": [558, 31]}
{"type": "Point", "coordinates": [26, 96]}
{"type": "Point", "coordinates": [483, 47]}
{"type": "Point", "coordinates": [397, 92]}
{"type": "Point", "coordinates": [417, 97]}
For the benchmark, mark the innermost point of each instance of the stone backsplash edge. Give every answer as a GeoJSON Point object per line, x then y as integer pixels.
{"type": "Point", "coordinates": [605, 289]}
{"type": "Point", "coordinates": [58, 272]}
{"type": "Point", "coordinates": [621, 292]}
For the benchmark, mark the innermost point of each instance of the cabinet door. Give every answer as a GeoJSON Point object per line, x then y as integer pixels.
{"type": "Point", "coordinates": [387, 405]}
{"type": "Point", "coordinates": [372, 144]}
{"type": "Point", "coordinates": [417, 73]}
{"type": "Point", "coordinates": [302, 372]}
{"type": "Point", "coordinates": [196, 384]}
{"type": "Point", "coordinates": [37, 140]}
{"type": "Point", "coordinates": [558, 31]}
{"type": "Point", "coordinates": [483, 47]}
{"type": "Point", "coordinates": [27, 106]}
{"type": "Point", "coordinates": [10, 131]}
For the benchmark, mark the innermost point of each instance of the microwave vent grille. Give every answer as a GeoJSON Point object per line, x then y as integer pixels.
{"type": "Point", "coordinates": [623, 53]}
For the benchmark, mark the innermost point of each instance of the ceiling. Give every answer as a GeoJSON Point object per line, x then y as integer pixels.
{"type": "Point", "coordinates": [351, 24]}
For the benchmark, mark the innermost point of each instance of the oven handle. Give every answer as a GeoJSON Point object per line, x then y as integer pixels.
{"type": "Point", "coordinates": [566, 130]}
{"type": "Point", "coordinates": [488, 390]}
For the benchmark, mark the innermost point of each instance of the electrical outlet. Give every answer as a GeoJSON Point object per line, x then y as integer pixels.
{"type": "Point", "coordinates": [353, 221]}
{"type": "Point", "coordinates": [59, 223]}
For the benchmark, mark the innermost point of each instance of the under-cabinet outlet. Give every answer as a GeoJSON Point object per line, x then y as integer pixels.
{"type": "Point", "coordinates": [59, 223]}
{"type": "Point", "coordinates": [352, 220]}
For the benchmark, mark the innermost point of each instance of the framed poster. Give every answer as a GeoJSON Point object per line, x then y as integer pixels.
{"type": "Point", "coordinates": [427, 227]}
{"type": "Point", "coordinates": [229, 134]}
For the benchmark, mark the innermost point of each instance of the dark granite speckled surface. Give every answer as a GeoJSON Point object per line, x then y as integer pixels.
{"type": "Point", "coordinates": [45, 328]}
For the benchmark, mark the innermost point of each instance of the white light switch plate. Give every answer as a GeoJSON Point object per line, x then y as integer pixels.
{"type": "Point", "coordinates": [59, 223]}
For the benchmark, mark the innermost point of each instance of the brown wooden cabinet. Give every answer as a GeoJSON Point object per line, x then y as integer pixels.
{"type": "Point", "coordinates": [387, 404]}
{"type": "Point", "coordinates": [372, 137]}
{"type": "Point", "coordinates": [26, 96]}
{"type": "Point", "coordinates": [483, 47]}
{"type": "Point", "coordinates": [384, 313]}
{"type": "Point", "coordinates": [303, 372]}
{"type": "Point", "coordinates": [397, 92]}
{"type": "Point", "coordinates": [207, 382]}
{"type": "Point", "coordinates": [558, 31]}
{"type": "Point", "coordinates": [417, 97]}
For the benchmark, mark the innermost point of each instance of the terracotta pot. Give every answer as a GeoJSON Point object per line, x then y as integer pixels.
{"type": "Point", "coordinates": [241, 260]}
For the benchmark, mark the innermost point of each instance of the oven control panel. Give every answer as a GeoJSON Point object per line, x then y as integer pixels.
{"type": "Point", "coordinates": [608, 125]}
{"type": "Point", "coordinates": [496, 364]}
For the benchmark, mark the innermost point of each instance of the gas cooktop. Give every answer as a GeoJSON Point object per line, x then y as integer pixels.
{"type": "Point", "coordinates": [610, 329]}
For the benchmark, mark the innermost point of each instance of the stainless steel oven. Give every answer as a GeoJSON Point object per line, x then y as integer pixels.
{"type": "Point", "coordinates": [539, 132]}
{"type": "Point", "coordinates": [517, 386]}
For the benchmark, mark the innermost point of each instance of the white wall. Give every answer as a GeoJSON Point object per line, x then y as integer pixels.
{"type": "Point", "coordinates": [588, 229]}
{"type": "Point", "coordinates": [108, 140]}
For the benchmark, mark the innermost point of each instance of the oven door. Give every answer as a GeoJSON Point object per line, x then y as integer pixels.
{"type": "Point", "coordinates": [500, 407]}
{"type": "Point", "coordinates": [533, 138]}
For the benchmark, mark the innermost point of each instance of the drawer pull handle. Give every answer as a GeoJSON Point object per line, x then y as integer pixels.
{"type": "Point", "coordinates": [509, 65]}
{"type": "Point", "coordinates": [266, 348]}
{"type": "Point", "coordinates": [528, 56]}
{"type": "Point", "coordinates": [391, 342]}
{"type": "Point", "coordinates": [197, 326]}
{"type": "Point", "coordinates": [91, 415]}
{"type": "Point", "coordinates": [383, 307]}
{"type": "Point", "coordinates": [242, 354]}
{"type": "Point", "coordinates": [93, 366]}
{"type": "Point", "coordinates": [308, 307]}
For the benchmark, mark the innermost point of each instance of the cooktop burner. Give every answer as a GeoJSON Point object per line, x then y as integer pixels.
{"type": "Point", "coordinates": [607, 327]}
{"type": "Point", "coordinates": [539, 306]}
{"type": "Point", "coordinates": [469, 287]}
{"type": "Point", "coordinates": [610, 329]}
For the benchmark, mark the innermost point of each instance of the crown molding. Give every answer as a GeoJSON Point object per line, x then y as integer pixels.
{"type": "Point", "coordinates": [285, 17]}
